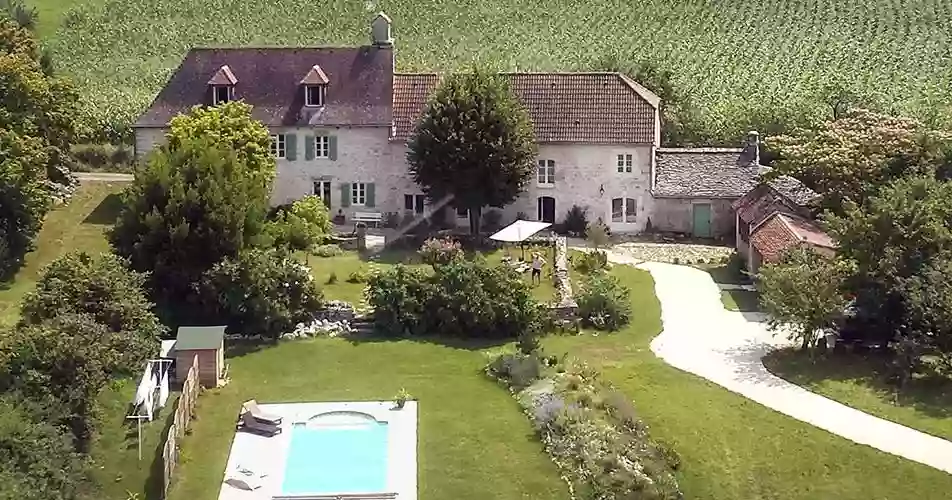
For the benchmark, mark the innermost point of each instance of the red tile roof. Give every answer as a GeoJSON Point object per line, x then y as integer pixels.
{"type": "Point", "coordinates": [315, 77]}
{"type": "Point", "coordinates": [564, 107]}
{"type": "Point", "coordinates": [780, 232]}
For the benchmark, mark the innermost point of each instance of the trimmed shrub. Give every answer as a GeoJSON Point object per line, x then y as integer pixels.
{"type": "Point", "coordinates": [358, 276]}
{"type": "Point", "coordinates": [604, 302]}
{"type": "Point", "coordinates": [103, 157]}
{"type": "Point", "coordinates": [463, 299]}
{"type": "Point", "coordinates": [517, 370]}
{"type": "Point", "coordinates": [576, 221]}
{"type": "Point", "coordinates": [327, 251]}
{"type": "Point", "coordinates": [101, 286]}
{"type": "Point", "coordinates": [261, 292]}
{"type": "Point", "coordinates": [598, 234]}
{"type": "Point", "coordinates": [306, 223]}
{"type": "Point", "coordinates": [590, 262]}
{"type": "Point", "coordinates": [436, 251]}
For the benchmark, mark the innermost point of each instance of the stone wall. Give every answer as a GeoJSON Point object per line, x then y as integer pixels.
{"type": "Point", "coordinates": [677, 215]}
{"type": "Point", "coordinates": [565, 306]}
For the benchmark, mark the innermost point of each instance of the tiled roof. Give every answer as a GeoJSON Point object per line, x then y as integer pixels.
{"type": "Point", "coordinates": [564, 107]}
{"type": "Point", "coordinates": [718, 173]}
{"type": "Point", "coordinates": [359, 90]}
{"type": "Point", "coordinates": [704, 173]}
{"type": "Point", "coordinates": [780, 232]}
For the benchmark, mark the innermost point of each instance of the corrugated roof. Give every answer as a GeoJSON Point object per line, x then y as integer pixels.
{"type": "Point", "coordinates": [359, 88]}
{"type": "Point", "coordinates": [199, 337]}
{"type": "Point", "coordinates": [563, 107]}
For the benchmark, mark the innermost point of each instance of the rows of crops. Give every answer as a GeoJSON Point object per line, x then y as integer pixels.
{"type": "Point", "coordinates": [737, 59]}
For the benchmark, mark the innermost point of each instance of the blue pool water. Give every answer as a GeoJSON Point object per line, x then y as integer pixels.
{"type": "Point", "coordinates": [337, 459]}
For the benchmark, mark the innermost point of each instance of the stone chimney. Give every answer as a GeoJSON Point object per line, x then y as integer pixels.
{"type": "Point", "coordinates": [380, 31]}
{"type": "Point", "coordinates": [752, 148]}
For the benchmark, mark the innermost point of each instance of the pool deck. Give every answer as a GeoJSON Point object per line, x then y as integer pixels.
{"type": "Point", "coordinates": [266, 456]}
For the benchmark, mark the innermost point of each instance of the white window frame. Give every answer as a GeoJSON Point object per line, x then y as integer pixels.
{"type": "Point", "coordinates": [358, 194]}
{"type": "Point", "coordinates": [320, 187]}
{"type": "Point", "coordinates": [625, 163]}
{"type": "Point", "coordinates": [545, 173]}
{"type": "Point", "coordinates": [322, 147]}
{"type": "Point", "coordinates": [228, 94]}
{"type": "Point", "coordinates": [414, 198]}
{"type": "Point", "coordinates": [321, 95]}
{"type": "Point", "coordinates": [279, 146]}
{"type": "Point", "coordinates": [624, 217]}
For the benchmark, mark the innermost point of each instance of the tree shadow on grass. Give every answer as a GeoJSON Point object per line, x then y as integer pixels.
{"type": "Point", "coordinates": [454, 343]}
{"type": "Point", "coordinates": [392, 256]}
{"type": "Point", "coordinates": [929, 393]}
{"type": "Point", "coordinates": [236, 348]}
{"type": "Point", "coordinates": [156, 482]}
{"type": "Point", "coordinates": [106, 213]}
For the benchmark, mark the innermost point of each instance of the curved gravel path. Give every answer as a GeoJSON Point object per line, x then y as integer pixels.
{"type": "Point", "coordinates": [726, 347]}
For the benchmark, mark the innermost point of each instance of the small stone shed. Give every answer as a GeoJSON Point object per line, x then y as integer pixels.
{"type": "Point", "coordinates": [206, 342]}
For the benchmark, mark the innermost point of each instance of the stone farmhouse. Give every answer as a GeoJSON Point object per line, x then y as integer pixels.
{"type": "Point", "coordinates": [340, 118]}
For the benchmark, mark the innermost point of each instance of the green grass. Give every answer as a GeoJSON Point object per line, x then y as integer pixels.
{"type": "Point", "coordinates": [740, 300]}
{"type": "Point", "coordinates": [79, 225]}
{"type": "Point", "coordinates": [120, 52]}
{"type": "Point", "coordinates": [862, 382]}
{"type": "Point", "coordinates": [731, 447]}
{"type": "Point", "coordinates": [474, 442]}
{"type": "Point", "coordinates": [117, 469]}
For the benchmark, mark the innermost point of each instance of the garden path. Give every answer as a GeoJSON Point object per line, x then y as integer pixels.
{"type": "Point", "coordinates": [726, 347]}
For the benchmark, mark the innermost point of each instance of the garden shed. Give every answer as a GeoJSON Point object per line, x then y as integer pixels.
{"type": "Point", "coordinates": [206, 342]}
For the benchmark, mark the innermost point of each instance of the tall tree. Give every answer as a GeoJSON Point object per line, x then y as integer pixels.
{"type": "Point", "coordinates": [474, 142]}
{"type": "Point", "coordinates": [187, 208]}
{"type": "Point", "coordinates": [851, 157]}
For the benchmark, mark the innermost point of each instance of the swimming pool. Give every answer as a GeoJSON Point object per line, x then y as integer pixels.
{"type": "Point", "coordinates": [337, 452]}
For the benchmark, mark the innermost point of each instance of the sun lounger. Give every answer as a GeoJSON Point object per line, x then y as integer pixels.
{"type": "Point", "coordinates": [243, 483]}
{"type": "Point", "coordinates": [251, 407]}
{"type": "Point", "coordinates": [250, 423]}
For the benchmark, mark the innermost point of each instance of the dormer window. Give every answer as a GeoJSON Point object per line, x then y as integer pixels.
{"type": "Point", "coordinates": [315, 87]}
{"type": "Point", "coordinates": [222, 85]}
{"type": "Point", "coordinates": [314, 95]}
{"type": "Point", "coordinates": [222, 94]}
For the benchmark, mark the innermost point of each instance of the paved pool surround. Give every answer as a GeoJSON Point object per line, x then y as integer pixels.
{"type": "Point", "coordinates": [267, 456]}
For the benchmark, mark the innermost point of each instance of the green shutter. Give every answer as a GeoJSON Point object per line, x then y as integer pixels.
{"type": "Point", "coordinates": [332, 147]}
{"type": "Point", "coordinates": [290, 147]}
{"type": "Point", "coordinates": [309, 147]}
{"type": "Point", "coordinates": [370, 194]}
{"type": "Point", "coordinates": [345, 194]}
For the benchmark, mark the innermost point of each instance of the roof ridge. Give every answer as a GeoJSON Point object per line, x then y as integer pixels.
{"type": "Point", "coordinates": [700, 150]}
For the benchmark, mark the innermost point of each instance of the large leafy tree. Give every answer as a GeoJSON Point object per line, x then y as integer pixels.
{"type": "Point", "coordinates": [474, 142]}
{"type": "Point", "coordinates": [803, 293]}
{"type": "Point", "coordinates": [190, 206]}
{"type": "Point", "coordinates": [37, 460]}
{"type": "Point", "coordinates": [853, 156]}
{"type": "Point", "coordinates": [36, 129]}
{"type": "Point", "coordinates": [101, 286]}
{"type": "Point", "coordinates": [896, 241]}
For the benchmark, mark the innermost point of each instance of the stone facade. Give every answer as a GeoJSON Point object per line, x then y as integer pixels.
{"type": "Point", "coordinates": [677, 215]}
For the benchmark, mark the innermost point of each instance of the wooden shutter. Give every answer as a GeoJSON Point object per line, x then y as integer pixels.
{"type": "Point", "coordinates": [332, 147]}
{"type": "Point", "coordinates": [290, 147]}
{"type": "Point", "coordinates": [345, 194]}
{"type": "Point", "coordinates": [370, 194]}
{"type": "Point", "coordinates": [309, 147]}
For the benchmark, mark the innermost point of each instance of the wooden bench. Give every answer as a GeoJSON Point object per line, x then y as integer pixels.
{"type": "Point", "coordinates": [375, 217]}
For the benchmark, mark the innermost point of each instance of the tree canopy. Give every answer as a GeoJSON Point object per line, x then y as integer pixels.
{"type": "Point", "coordinates": [475, 142]}
{"type": "Point", "coordinates": [852, 157]}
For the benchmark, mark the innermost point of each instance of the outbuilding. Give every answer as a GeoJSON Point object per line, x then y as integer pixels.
{"type": "Point", "coordinates": [206, 342]}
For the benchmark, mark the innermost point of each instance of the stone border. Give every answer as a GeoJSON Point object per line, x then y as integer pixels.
{"type": "Point", "coordinates": [565, 306]}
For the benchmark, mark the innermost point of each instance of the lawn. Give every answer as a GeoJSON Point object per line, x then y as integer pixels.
{"type": "Point", "coordinates": [116, 468]}
{"type": "Point", "coordinates": [740, 300]}
{"type": "Point", "coordinates": [80, 225]}
{"type": "Point", "coordinates": [731, 447]}
{"type": "Point", "coordinates": [862, 382]}
{"type": "Point", "coordinates": [120, 52]}
{"type": "Point", "coordinates": [474, 442]}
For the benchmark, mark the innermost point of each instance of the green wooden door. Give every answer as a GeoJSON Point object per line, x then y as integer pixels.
{"type": "Point", "coordinates": [702, 220]}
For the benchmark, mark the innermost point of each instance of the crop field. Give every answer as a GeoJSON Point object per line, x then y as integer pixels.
{"type": "Point", "coordinates": [738, 60]}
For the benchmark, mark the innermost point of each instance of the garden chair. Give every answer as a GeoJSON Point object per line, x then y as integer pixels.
{"type": "Point", "coordinates": [250, 423]}
{"type": "Point", "coordinates": [251, 406]}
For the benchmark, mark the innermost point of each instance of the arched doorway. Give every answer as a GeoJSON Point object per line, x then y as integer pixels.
{"type": "Point", "coordinates": [546, 212]}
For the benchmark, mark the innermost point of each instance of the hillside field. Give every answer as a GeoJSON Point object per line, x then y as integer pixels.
{"type": "Point", "coordinates": [742, 62]}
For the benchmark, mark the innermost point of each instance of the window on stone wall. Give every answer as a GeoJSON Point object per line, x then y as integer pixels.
{"type": "Point", "coordinates": [630, 210]}
{"type": "Point", "coordinates": [618, 209]}
{"type": "Point", "coordinates": [625, 163]}
{"type": "Point", "coordinates": [624, 210]}
{"type": "Point", "coordinates": [546, 173]}
{"type": "Point", "coordinates": [278, 146]}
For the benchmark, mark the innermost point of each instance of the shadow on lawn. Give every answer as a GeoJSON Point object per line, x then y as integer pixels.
{"type": "Point", "coordinates": [155, 482]}
{"type": "Point", "coordinates": [106, 212]}
{"type": "Point", "coordinates": [929, 393]}
{"type": "Point", "coordinates": [454, 343]}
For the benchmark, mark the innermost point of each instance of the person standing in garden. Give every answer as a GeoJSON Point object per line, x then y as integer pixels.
{"type": "Point", "coordinates": [537, 263]}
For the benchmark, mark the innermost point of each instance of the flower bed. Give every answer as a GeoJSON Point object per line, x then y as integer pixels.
{"type": "Point", "coordinates": [590, 430]}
